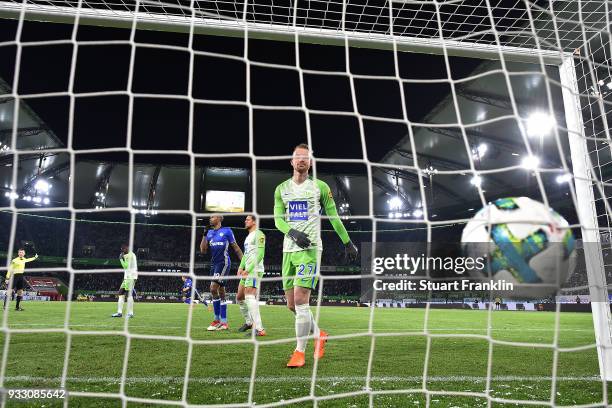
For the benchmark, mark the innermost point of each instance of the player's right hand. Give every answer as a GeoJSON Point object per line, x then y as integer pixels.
{"type": "Point", "coordinates": [300, 238]}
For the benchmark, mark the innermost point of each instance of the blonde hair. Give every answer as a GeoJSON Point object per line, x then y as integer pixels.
{"type": "Point", "coordinates": [301, 146]}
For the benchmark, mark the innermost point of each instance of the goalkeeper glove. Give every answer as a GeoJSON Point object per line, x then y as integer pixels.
{"type": "Point", "coordinates": [300, 238]}
{"type": "Point", "coordinates": [350, 251]}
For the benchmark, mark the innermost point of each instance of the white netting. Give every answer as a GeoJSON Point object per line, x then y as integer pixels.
{"type": "Point", "coordinates": [534, 47]}
{"type": "Point", "coordinates": [472, 21]}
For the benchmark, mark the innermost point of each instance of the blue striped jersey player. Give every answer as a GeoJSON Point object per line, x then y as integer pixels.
{"type": "Point", "coordinates": [217, 239]}
{"type": "Point", "coordinates": [186, 292]}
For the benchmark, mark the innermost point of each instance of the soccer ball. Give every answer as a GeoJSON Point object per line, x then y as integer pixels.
{"type": "Point", "coordinates": [524, 243]}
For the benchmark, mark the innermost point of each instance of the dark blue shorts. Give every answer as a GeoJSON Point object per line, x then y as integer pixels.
{"type": "Point", "coordinates": [219, 272]}
{"type": "Point", "coordinates": [187, 296]}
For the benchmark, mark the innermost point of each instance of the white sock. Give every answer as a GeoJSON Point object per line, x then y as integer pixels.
{"type": "Point", "coordinates": [120, 303]}
{"type": "Point", "coordinates": [314, 328]}
{"type": "Point", "coordinates": [244, 310]}
{"type": "Point", "coordinates": [302, 325]}
{"type": "Point", "coordinates": [253, 305]}
{"type": "Point", "coordinates": [130, 305]}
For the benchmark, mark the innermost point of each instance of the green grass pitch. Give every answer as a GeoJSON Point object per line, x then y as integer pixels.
{"type": "Point", "coordinates": [220, 373]}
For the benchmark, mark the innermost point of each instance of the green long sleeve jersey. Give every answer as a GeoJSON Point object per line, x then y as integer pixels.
{"type": "Point", "coordinates": [254, 251]}
{"type": "Point", "coordinates": [298, 206]}
{"type": "Point", "coordinates": [129, 264]}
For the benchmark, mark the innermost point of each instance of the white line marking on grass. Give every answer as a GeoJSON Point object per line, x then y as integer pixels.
{"type": "Point", "coordinates": [342, 329]}
{"type": "Point", "coordinates": [291, 379]}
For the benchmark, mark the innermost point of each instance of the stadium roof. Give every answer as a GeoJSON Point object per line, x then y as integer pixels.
{"type": "Point", "coordinates": [490, 138]}
{"type": "Point", "coordinates": [32, 132]}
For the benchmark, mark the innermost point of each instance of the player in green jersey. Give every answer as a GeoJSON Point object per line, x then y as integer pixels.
{"type": "Point", "coordinates": [297, 208]}
{"type": "Point", "coordinates": [130, 275]}
{"type": "Point", "coordinates": [251, 270]}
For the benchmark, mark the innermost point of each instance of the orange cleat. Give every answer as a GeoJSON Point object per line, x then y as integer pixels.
{"type": "Point", "coordinates": [296, 360]}
{"type": "Point", "coordinates": [260, 333]}
{"type": "Point", "coordinates": [319, 350]}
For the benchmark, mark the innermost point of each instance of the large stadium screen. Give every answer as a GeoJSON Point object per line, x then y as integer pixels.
{"type": "Point", "coordinates": [224, 201]}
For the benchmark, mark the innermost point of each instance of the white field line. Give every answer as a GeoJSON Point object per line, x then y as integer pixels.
{"type": "Point", "coordinates": [285, 379]}
{"type": "Point", "coordinates": [343, 329]}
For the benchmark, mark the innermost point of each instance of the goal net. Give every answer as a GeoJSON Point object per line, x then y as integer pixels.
{"type": "Point", "coordinates": [133, 121]}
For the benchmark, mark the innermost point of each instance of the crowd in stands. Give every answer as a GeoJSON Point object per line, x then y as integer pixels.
{"type": "Point", "coordinates": [166, 244]}
{"type": "Point", "coordinates": [101, 282]}
{"type": "Point", "coordinates": [163, 243]}
{"type": "Point", "coordinates": [170, 245]}
{"type": "Point", "coordinates": [578, 281]}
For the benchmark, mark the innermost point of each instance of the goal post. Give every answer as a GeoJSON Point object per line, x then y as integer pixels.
{"type": "Point", "coordinates": [587, 216]}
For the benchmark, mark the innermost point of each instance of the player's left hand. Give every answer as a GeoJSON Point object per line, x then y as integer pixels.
{"type": "Point", "coordinates": [350, 251]}
{"type": "Point", "coordinates": [299, 237]}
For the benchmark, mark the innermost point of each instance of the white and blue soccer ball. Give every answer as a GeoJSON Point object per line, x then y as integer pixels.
{"type": "Point", "coordinates": [524, 242]}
